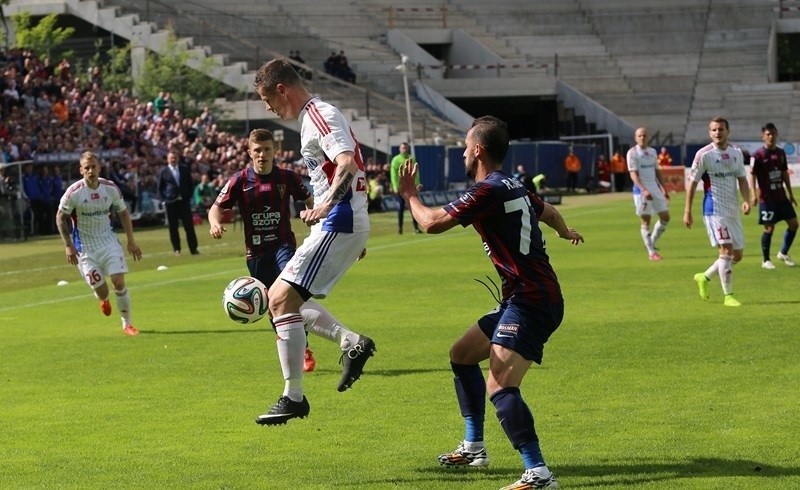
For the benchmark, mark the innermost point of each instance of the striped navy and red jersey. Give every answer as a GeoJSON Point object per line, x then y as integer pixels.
{"type": "Point", "coordinates": [265, 206]}
{"type": "Point", "coordinates": [506, 216]}
{"type": "Point", "coordinates": [768, 169]}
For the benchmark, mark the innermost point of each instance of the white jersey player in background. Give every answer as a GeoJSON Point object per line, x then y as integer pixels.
{"type": "Point", "coordinates": [721, 167]}
{"type": "Point", "coordinates": [649, 194]}
{"type": "Point", "coordinates": [339, 232]}
{"type": "Point", "coordinates": [83, 220]}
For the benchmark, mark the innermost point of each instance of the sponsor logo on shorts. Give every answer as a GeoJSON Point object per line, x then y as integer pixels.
{"type": "Point", "coordinates": [506, 330]}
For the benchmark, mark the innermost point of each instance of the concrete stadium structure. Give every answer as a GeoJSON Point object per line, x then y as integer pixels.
{"type": "Point", "coordinates": [617, 64]}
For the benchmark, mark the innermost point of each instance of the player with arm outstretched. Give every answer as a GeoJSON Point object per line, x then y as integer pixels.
{"type": "Point", "coordinates": [511, 336]}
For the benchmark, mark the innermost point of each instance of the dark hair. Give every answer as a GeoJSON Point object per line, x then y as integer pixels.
{"type": "Point", "coordinates": [721, 120]}
{"type": "Point", "coordinates": [261, 134]}
{"type": "Point", "coordinates": [492, 134]}
{"type": "Point", "coordinates": [769, 127]}
{"type": "Point", "coordinates": [274, 72]}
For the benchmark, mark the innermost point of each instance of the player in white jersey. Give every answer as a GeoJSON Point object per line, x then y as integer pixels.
{"type": "Point", "coordinates": [339, 231]}
{"type": "Point", "coordinates": [649, 194]}
{"type": "Point", "coordinates": [91, 244]}
{"type": "Point", "coordinates": [720, 166]}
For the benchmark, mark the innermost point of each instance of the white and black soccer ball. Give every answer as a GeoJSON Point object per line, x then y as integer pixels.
{"type": "Point", "coordinates": [245, 300]}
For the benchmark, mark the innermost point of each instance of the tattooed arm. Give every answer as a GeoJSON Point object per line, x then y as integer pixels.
{"type": "Point", "coordinates": [346, 169]}
{"type": "Point", "coordinates": [64, 225]}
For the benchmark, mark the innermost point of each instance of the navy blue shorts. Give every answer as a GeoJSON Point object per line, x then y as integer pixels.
{"type": "Point", "coordinates": [523, 328]}
{"type": "Point", "coordinates": [770, 214]}
{"type": "Point", "coordinates": [267, 268]}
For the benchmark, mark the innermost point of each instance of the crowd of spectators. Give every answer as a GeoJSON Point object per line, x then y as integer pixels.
{"type": "Point", "coordinates": [50, 114]}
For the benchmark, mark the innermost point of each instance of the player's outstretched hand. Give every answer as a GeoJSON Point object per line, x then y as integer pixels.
{"type": "Point", "coordinates": [216, 231]}
{"type": "Point", "coordinates": [135, 251]}
{"type": "Point", "coordinates": [573, 236]}
{"type": "Point", "coordinates": [408, 173]}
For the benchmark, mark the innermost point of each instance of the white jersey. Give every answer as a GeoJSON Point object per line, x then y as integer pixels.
{"type": "Point", "coordinates": [90, 210]}
{"type": "Point", "coordinates": [722, 169]}
{"type": "Point", "coordinates": [644, 161]}
{"type": "Point", "coordinates": [324, 134]}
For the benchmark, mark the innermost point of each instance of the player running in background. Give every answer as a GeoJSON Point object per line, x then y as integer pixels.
{"type": "Point", "coordinates": [85, 226]}
{"type": "Point", "coordinates": [339, 231]}
{"type": "Point", "coordinates": [721, 167]}
{"type": "Point", "coordinates": [770, 174]}
{"type": "Point", "coordinates": [649, 194]}
{"type": "Point", "coordinates": [512, 336]}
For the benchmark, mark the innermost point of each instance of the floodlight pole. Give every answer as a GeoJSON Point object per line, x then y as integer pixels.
{"type": "Point", "coordinates": [404, 70]}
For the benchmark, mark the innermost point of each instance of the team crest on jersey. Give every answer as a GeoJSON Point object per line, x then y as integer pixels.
{"type": "Point", "coordinates": [281, 190]}
{"type": "Point", "coordinates": [94, 196]}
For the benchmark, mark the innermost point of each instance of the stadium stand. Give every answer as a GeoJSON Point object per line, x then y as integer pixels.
{"type": "Point", "coordinates": [665, 65]}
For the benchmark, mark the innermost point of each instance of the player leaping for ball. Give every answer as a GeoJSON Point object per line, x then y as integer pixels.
{"type": "Point", "coordinates": [339, 231]}
{"type": "Point", "coordinates": [90, 242]}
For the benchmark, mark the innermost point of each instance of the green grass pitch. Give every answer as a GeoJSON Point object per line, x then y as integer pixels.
{"type": "Point", "coordinates": [643, 385]}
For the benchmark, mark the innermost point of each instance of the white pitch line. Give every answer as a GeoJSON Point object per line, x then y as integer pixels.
{"type": "Point", "coordinates": [163, 283]}
{"type": "Point", "coordinates": [141, 286]}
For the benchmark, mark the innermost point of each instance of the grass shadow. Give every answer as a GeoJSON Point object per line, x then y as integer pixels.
{"type": "Point", "coordinates": [611, 474]}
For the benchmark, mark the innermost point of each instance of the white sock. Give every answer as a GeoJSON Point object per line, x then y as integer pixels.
{"type": "Point", "coordinates": [726, 274]}
{"type": "Point", "coordinates": [124, 306]}
{"type": "Point", "coordinates": [291, 352]}
{"type": "Point", "coordinates": [712, 271]}
{"type": "Point", "coordinates": [473, 446]}
{"type": "Point", "coordinates": [658, 230]}
{"type": "Point", "coordinates": [648, 243]}
{"type": "Point", "coordinates": [320, 322]}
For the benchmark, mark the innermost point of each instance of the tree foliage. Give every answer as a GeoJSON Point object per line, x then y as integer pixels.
{"type": "Point", "coordinates": [41, 38]}
{"type": "Point", "coordinates": [191, 89]}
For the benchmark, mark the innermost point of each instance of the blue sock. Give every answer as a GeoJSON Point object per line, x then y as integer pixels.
{"type": "Point", "coordinates": [788, 238]}
{"type": "Point", "coordinates": [531, 455]}
{"type": "Point", "coordinates": [474, 428]}
{"type": "Point", "coordinates": [471, 393]}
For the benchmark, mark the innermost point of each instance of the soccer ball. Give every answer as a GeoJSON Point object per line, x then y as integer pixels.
{"type": "Point", "coordinates": [245, 300]}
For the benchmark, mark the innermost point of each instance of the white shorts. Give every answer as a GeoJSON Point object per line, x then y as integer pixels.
{"type": "Point", "coordinates": [725, 230]}
{"type": "Point", "coordinates": [94, 266]}
{"type": "Point", "coordinates": [649, 207]}
{"type": "Point", "coordinates": [322, 260]}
